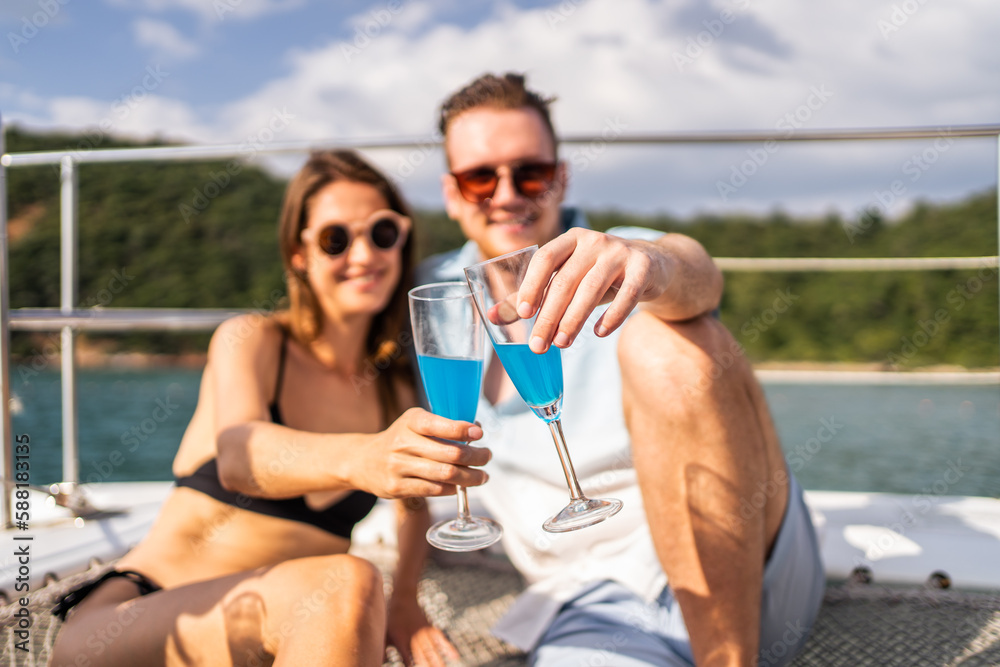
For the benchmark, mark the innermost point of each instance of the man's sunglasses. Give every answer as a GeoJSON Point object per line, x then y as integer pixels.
{"type": "Point", "coordinates": [531, 180]}
{"type": "Point", "coordinates": [385, 229]}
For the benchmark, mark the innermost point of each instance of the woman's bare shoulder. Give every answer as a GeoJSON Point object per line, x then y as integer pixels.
{"type": "Point", "coordinates": [244, 335]}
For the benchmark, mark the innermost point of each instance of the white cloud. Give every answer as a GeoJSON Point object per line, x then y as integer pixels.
{"type": "Point", "coordinates": [622, 64]}
{"type": "Point", "coordinates": [24, 100]}
{"type": "Point", "coordinates": [139, 113]}
{"type": "Point", "coordinates": [605, 61]}
{"type": "Point", "coordinates": [617, 64]}
{"type": "Point", "coordinates": [416, 16]}
{"type": "Point", "coordinates": [163, 39]}
{"type": "Point", "coordinates": [406, 18]}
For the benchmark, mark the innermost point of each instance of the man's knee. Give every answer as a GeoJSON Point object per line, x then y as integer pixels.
{"type": "Point", "coordinates": [685, 357]}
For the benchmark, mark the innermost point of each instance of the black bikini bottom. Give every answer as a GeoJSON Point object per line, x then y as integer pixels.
{"type": "Point", "coordinates": [77, 595]}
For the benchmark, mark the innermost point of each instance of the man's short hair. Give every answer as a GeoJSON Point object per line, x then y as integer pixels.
{"type": "Point", "coordinates": [491, 91]}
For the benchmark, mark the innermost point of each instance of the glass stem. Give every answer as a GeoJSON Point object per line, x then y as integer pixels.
{"type": "Point", "coordinates": [555, 427]}
{"type": "Point", "coordinates": [463, 502]}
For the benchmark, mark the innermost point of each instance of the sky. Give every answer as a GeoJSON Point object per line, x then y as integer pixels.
{"type": "Point", "coordinates": [221, 71]}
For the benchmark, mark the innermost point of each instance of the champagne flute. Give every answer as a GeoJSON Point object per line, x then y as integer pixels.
{"type": "Point", "coordinates": [537, 377]}
{"type": "Point", "coordinates": [449, 340]}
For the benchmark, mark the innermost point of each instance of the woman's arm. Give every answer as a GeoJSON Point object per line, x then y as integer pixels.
{"type": "Point", "coordinates": [268, 460]}
{"type": "Point", "coordinates": [417, 641]}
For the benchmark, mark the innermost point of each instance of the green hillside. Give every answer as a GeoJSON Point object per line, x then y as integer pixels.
{"type": "Point", "coordinates": [865, 317]}
{"type": "Point", "coordinates": [192, 235]}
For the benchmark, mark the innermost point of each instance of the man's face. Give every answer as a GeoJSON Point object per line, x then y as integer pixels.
{"type": "Point", "coordinates": [502, 139]}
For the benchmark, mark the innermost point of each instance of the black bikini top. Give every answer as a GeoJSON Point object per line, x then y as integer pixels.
{"type": "Point", "coordinates": [338, 519]}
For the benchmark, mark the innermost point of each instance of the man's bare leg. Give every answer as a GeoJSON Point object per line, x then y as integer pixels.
{"type": "Point", "coordinates": [703, 444]}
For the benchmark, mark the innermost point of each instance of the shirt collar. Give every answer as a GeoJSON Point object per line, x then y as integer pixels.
{"type": "Point", "coordinates": [569, 217]}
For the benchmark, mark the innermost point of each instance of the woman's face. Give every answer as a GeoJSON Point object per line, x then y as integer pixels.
{"type": "Point", "coordinates": [361, 279]}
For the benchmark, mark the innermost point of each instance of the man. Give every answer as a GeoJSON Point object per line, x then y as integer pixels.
{"type": "Point", "coordinates": [661, 410]}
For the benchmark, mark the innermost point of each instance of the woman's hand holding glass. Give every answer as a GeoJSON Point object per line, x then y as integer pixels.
{"type": "Point", "coordinates": [410, 458]}
{"type": "Point", "coordinates": [450, 343]}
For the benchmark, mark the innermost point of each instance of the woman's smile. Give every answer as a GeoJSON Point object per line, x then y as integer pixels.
{"type": "Point", "coordinates": [365, 279]}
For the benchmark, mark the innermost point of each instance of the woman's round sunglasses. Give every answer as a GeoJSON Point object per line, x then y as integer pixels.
{"type": "Point", "coordinates": [385, 229]}
{"type": "Point", "coordinates": [531, 180]}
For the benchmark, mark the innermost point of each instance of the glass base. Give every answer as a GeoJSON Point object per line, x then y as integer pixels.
{"type": "Point", "coordinates": [582, 513]}
{"type": "Point", "coordinates": [464, 534]}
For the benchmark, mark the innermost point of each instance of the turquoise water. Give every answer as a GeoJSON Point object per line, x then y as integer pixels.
{"type": "Point", "coordinates": [452, 385]}
{"type": "Point", "coordinates": [851, 438]}
{"type": "Point", "coordinates": [537, 377]}
{"type": "Point", "coordinates": [130, 422]}
{"type": "Point", "coordinates": [901, 439]}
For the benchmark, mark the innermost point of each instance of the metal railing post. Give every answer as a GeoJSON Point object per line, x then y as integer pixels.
{"type": "Point", "coordinates": [69, 211]}
{"type": "Point", "coordinates": [7, 459]}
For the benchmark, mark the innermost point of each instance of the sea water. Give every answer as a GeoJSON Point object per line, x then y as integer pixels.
{"type": "Point", "coordinates": [897, 439]}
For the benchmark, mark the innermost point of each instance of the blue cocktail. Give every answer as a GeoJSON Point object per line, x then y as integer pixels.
{"type": "Point", "coordinates": [452, 385]}
{"type": "Point", "coordinates": [537, 377]}
{"type": "Point", "coordinates": [449, 341]}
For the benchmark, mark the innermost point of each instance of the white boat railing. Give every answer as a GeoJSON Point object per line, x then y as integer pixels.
{"type": "Point", "coordinates": [68, 318]}
{"type": "Point", "coordinates": [816, 264]}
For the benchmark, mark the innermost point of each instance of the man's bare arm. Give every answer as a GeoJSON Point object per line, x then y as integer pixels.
{"type": "Point", "coordinates": [673, 277]}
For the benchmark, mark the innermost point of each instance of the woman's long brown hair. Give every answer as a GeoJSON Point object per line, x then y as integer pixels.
{"type": "Point", "coordinates": [386, 357]}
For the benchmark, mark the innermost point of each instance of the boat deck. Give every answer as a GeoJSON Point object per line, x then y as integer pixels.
{"type": "Point", "coordinates": [858, 624]}
{"type": "Point", "coordinates": [897, 619]}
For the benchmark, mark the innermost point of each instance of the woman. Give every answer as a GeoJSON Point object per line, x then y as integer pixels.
{"type": "Point", "coordinates": [291, 441]}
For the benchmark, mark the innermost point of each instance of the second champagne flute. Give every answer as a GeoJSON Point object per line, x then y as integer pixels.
{"type": "Point", "coordinates": [449, 340]}
{"type": "Point", "coordinates": [537, 377]}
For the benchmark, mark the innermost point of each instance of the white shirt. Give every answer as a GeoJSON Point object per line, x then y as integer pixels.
{"type": "Point", "coordinates": [527, 484]}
